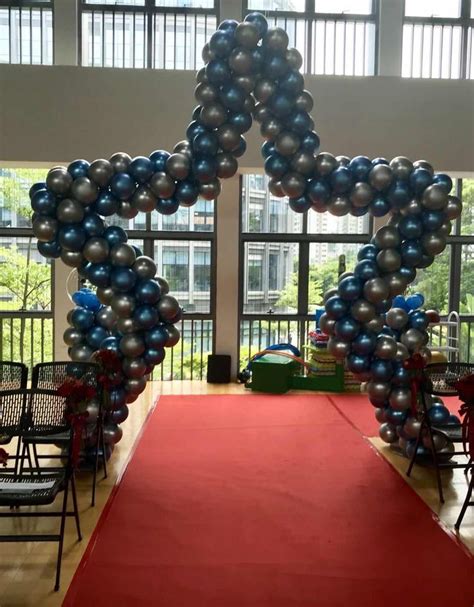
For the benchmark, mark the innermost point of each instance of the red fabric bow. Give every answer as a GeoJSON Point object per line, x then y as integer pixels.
{"type": "Point", "coordinates": [465, 388]}
{"type": "Point", "coordinates": [415, 364]}
{"type": "Point", "coordinates": [3, 457]}
{"type": "Point", "coordinates": [77, 421]}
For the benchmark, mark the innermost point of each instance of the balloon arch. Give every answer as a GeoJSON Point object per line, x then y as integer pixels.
{"type": "Point", "coordinates": [249, 72]}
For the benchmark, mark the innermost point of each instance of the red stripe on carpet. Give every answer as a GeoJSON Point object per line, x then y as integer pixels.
{"type": "Point", "coordinates": [256, 501]}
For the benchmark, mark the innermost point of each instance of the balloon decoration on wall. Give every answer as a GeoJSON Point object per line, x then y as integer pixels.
{"type": "Point", "coordinates": [250, 73]}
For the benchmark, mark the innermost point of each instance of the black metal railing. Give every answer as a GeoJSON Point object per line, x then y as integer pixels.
{"type": "Point", "coordinates": [26, 32]}
{"type": "Point", "coordinates": [26, 337]}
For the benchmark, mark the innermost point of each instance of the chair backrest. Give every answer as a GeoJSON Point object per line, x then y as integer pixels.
{"type": "Point", "coordinates": [440, 378]}
{"type": "Point", "coordinates": [13, 376]}
{"type": "Point", "coordinates": [46, 413]}
{"type": "Point", "coordinates": [12, 412]}
{"type": "Point", "coordinates": [49, 376]}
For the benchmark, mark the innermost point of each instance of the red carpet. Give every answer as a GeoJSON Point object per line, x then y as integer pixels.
{"type": "Point", "coordinates": [259, 501]}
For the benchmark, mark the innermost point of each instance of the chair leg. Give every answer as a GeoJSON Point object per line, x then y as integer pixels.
{"type": "Point", "coordinates": [417, 444]}
{"type": "Point", "coordinates": [35, 454]}
{"type": "Point", "coordinates": [76, 510]}
{"type": "Point", "coordinates": [435, 462]}
{"type": "Point", "coordinates": [96, 464]}
{"type": "Point", "coordinates": [466, 502]}
{"type": "Point", "coordinates": [468, 467]}
{"type": "Point", "coordinates": [61, 537]}
{"type": "Point", "coordinates": [104, 455]}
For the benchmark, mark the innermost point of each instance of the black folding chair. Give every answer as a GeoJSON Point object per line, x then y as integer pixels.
{"type": "Point", "coordinates": [39, 413]}
{"type": "Point", "coordinates": [13, 376]}
{"type": "Point", "coordinates": [439, 379]}
{"type": "Point", "coordinates": [51, 376]}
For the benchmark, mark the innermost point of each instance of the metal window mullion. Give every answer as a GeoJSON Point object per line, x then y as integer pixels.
{"type": "Point", "coordinates": [149, 17]}
{"type": "Point", "coordinates": [303, 277]}
{"type": "Point", "coordinates": [454, 296]}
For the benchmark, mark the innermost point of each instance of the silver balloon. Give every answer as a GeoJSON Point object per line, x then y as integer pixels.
{"type": "Point", "coordinates": [454, 207]}
{"type": "Point", "coordinates": [126, 209]}
{"type": "Point", "coordinates": [173, 336]}
{"type": "Point", "coordinates": [247, 35]}
{"type": "Point", "coordinates": [276, 40]}
{"type": "Point", "coordinates": [241, 61]}
{"type": "Point", "coordinates": [376, 290]}
{"type": "Point", "coordinates": [70, 211]}
{"type": "Point", "coordinates": [387, 237]}
{"type": "Point", "coordinates": [96, 249]}
{"type": "Point", "coordinates": [168, 307]}
{"type": "Point", "coordinates": [264, 89]}
{"type": "Point", "coordinates": [378, 391]}
{"type": "Point", "coordinates": [400, 399]}
{"type": "Point", "coordinates": [433, 243]}
{"type": "Point", "coordinates": [84, 190]}
{"type": "Point", "coordinates": [45, 228]}
{"type": "Point", "coordinates": [72, 336]}
{"type": "Point", "coordinates": [361, 194]}
{"type": "Point", "coordinates": [211, 190]}
{"type": "Point", "coordinates": [205, 93]}
{"type": "Point", "coordinates": [294, 58]}
{"type": "Point", "coordinates": [101, 172]}
{"type": "Point", "coordinates": [81, 353]}
{"type": "Point", "coordinates": [131, 398]}
{"type": "Point", "coordinates": [122, 255]}
{"type": "Point", "coordinates": [304, 101]}
{"type": "Point", "coordinates": [339, 206]}
{"type": "Point", "coordinates": [343, 161]}
{"type": "Point", "coordinates": [144, 200]}
{"type": "Point", "coordinates": [112, 434]}
{"type": "Point", "coordinates": [92, 409]}
{"type": "Point", "coordinates": [434, 198]}
{"type": "Point", "coordinates": [426, 354]}
{"type": "Point", "coordinates": [132, 345]}
{"type": "Point", "coordinates": [326, 324]}
{"type": "Point", "coordinates": [246, 82]}
{"type": "Point", "coordinates": [396, 318]}
{"type": "Point", "coordinates": [134, 368]}
{"type": "Point", "coordinates": [106, 318]}
{"type": "Point", "coordinates": [380, 177]}
{"type": "Point", "coordinates": [293, 184]}
{"type": "Point", "coordinates": [127, 325]}
{"type": "Point", "coordinates": [445, 228]}
{"type": "Point", "coordinates": [261, 113]}
{"type": "Point", "coordinates": [304, 163]}
{"type": "Point", "coordinates": [413, 339]}
{"type": "Point", "coordinates": [206, 53]}
{"type": "Point", "coordinates": [287, 143]}
{"type": "Point", "coordinates": [123, 305]}
{"type": "Point", "coordinates": [401, 167]}
{"type": "Point", "coordinates": [363, 311]}
{"type": "Point", "coordinates": [439, 441]}
{"type": "Point", "coordinates": [226, 165]}
{"type": "Point", "coordinates": [178, 166]}
{"type": "Point", "coordinates": [135, 385]}
{"type": "Point", "coordinates": [105, 295]}
{"type": "Point", "coordinates": [228, 137]}
{"type": "Point", "coordinates": [213, 115]}
{"type": "Point", "coordinates": [388, 433]}
{"type": "Point", "coordinates": [389, 260]}
{"type": "Point", "coordinates": [274, 186]}
{"type": "Point", "coordinates": [402, 352]}
{"type": "Point", "coordinates": [423, 164]}
{"type": "Point", "coordinates": [271, 128]}
{"type": "Point", "coordinates": [330, 293]}
{"type": "Point", "coordinates": [144, 267]}
{"type": "Point", "coordinates": [380, 415]}
{"type": "Point", "coordinates": [120, 162]}
{"type": "Point", "coordinates": [338, 348]}
{"type": "Point", "coordinates": [69, 317]}
{"type": "Point", "coordinates": [201, 75]}
{"type": "Point", "coordinates": [59, 180]}
{"type": "Point", "coordinates": [414, 207]}
{"type": "Point", "coordinates": [412, 427]}
{"type": "Point", "coordinates": [118, 416]}
{"type": "Point", "coordinates": [386, 347]}
{"type": "Point", "coordinates": [397, 283]}
{"type": "Point", "coordinates": [325, 163]}
{"type": "Point", "coordinates": [73, 259]}
{"type": "Point", "coordinates": [164, 286]}
{"type": "Point", "coordinates": [183, 147]}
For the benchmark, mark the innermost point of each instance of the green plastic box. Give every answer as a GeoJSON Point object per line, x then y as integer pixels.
{"type": "Point", "coordinates": [272, 373]}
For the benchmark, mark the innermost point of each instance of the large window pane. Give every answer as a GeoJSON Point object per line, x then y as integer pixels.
{"type": "Point", "coordinates": [270, 277]}
{"type": "Point", "coordinates": [198, 218]}
{"type": "Point", "coordinates": [467, 279]}
{"type": "Point", "coordinates": [347, 7]}
{"type": "Point", "coordinates": [325, 223]}
{"type": "Point", "coordinates": [433, 283]}
{"type": "Point", "coordinates": [431, 51]}
{"type": "Point", "coordinates": [26, 35]}
{"type": "Point", "coordinates": [433, 8]}
{"type": "Point", "coordinates": [277, 5]}
{"type": "Point", "coordinates": [186, 3]}
{"type": "Point", "coordinates": [467, 216]}
{"type": "Point", "coordinates": [15, 208]}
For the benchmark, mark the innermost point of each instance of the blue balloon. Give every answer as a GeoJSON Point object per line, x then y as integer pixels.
{"type": "Point", "coordinates": [318, 191]}
{"type": "Point", "coordinates": [36, 187]}
{"type": "Point", "coordinates": [421, 451]}
{"type": "Point", "coordinates": [425, 261]}
{"type": "Point", "coordinates": [411, 252]}
{"type": "Point", "coordinates": [292, 83]}
{"type": "Point", "coordinates": [281, 104]}
{"type": "Point", "coordinates": [158, 160]}
{"type": "Point", "coordinates": [204, 168]}
{"type": "Point", "coordinates": [377, 161]}
{"type": "Point", "coordinates": [218, 72]}
{"type": "Point", "coordinates": [401, 376]}
{"type": "Point", "coordinates": [242, 121]}
{"type": "Point", "coordinates": [91, 301]}
{"type": "Point", "coordinates": [336, 308]}
{"type": "Point", "coordinates": [154, 356]}
{"type": "Point", "coordinates": [82, 319]}
{"type": "Point", "coordinates": [106, 204]}
{"type": "Point", "coordinates": [360, 167]}
{"type": "Point", "coordinates": [453, 420]}
{"type": "Point", "coordinates": [99, 274]}
{"type": "Point", "coordinates": [276, 165]}
{"type": "Point", "coordinates": [310, 142]}
{"type": "Point", "coordinates": [350, 288]}
{"type": "Point", "coordinates": [379, 206]}
{"type": "Point", "coordinates": [187, 192]}
{"type": "Point", "coordinates": [415, 301]}
{"type": "Point", "coordinates": [399, 194]}
{"type": "Point", "coordinates": [357, 363]}
{"type": "Point", "coordinates": [228, 25]}
{"type": "Point", "coordinates": [259, 21]}
{"type": "Point", "coordinates": [115, 235]}
{"type": "Point", "coordinates": [72, 237]}
{"type": "Point", "coordinates": [267, 149]}
{"type": "Point", "coordinates": [432, 220]}
{"type": "Point", "coordinates": [167, 206]}
{"type": "Point", "coordinates": [420, 179]}
{"type": "Point", "coordinates": [138, 251]}
{"type": "Point", "coordinates": [240, 149]}
{"type": "Point", "coordinates": [299, 205]}
{"type": "Point", "coordinates": [358, 211]}
{"type": "Point", "coordinates": [381, 370]}
{"type": "Point", "coordinates": [147, 291]}
{"type": "Point", "coordinates": [418, 320]}
{"type": "Point", "coordinates": [78, 168]}
{"type": "Point", "coordinates": [118, 398]}
{"type": "Point", "coordinates": [439, 414]}
{"type": "Point", "coordinates": [388, 330]}
{"type": "Point", "coordinates": [366, 269]}
{"type": "Point", "coordinates": [397, 418]}
{"type": "Point", "coordinates": [122, 186]}
{"type": "Point", "coordinates": [232, 97]}
{"type": "Point", "coordinates": [299, 122]}
{"type": "Point", "coordinates": [111, 343]}
{"type": "Point", "coordinates": [194, 129]}
{"type": "Point", "coordinates": [368, 251]}
{"type": "Point", "coordinates": [409, 274]}
{"type": "Point", "coordinates": [156, 338]}
{"type": "Point", "coordinates": [444, 180]}
{"type": "Point", "coordinates": [123, 279]}
{"type": "Point", "coordinates": [50, 249]}
{"type": "Point", "coordinates": [411, 227]}
{"type": "Point", "coordinates": [146, 316]}
{"type": "Point", "coordinates": [364, 343]}
{"type": "Point", "coordinates": [93, 224]}
{"type": "Point", "coordinates": [205, 143]}
{"type": "Point", "coordinates": [341, 180]}
{"type": "Point", "coordinates": [222, 42]}
{"type": "Point", "coordinates": [400, 302]}
{"type": "Point", "coordinates": [44, 202]}
{"type": "Point", "coordinates": [95, 336]}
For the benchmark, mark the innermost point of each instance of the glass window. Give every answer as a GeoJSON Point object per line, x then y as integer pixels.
{"type": "Point", "coordinates": [202, 269]}
{"type": "Point", "coordinates": [176, 268]}
{"type": "Point", "coordinates": [433, 8]}
{"type": "Point", "coordinates": [325, 223]}
{"type": "Point", "coordinates": [255, 272]}
{"type": "Point", "coordinates": [277, 5]}
{"type": "Point", "coordinates": [433, 283]}
{"type": "Point", "coordinates": [467, 279]}
{"type": "Point", "coordinates": [185, 3]}
{"type": "Point", "coordinates": [431, 51]}
{"type": "Point", "coordinates": [198, 218]}
{"type": "Point", "coordinates": [273, 273]}
{"type": "Point", "coordinates": [26, 35]}
{"type": "Point", "coordinates": [15, 209]}
{"type": "Point", "coordinates": [467, 216]}
{"type": "Point", "coordinates": [347, 7]}
{"type": "Point", "coordinates": [117, 2]}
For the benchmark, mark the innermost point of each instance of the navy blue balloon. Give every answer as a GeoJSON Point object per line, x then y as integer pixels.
{"type": "Point", "coordinates": [377, 161]}
{"type": "Point", "coordinates": [368, 251]}
{"type": "Point", "coordinates": [439, 414]}
{"type": "Point", "coordinates": [222, 42]}
{"type": "Point", "coordinates": [36, 187]}
{"type": "Point", "coordinates": [281, 104]}
{"type": "Point", "coordinates": [259, 21]}
{"type": "Point", "coordinates": [106, 204]}
{"type": "Point", "coordinates": [443, 180]}
{"type": "Point", "coordinates": [228, 25]}
{"type": "Point", "coordinates": [82, 319]}
{"type": "Point", "coordinates": [78, 168]}
{"type": "Point", "coordinates": [358, 211]}
{"type": "Point", "coordinates": [117, 397]}
{"type": "Point", "coordinates": [146, 316]}
{"type": "Point", "coordinates": [347, 328]}
{"type": "Point", "coordinates": [99, 274]}
{"type": "Point", "coordinates": [167, 206]}
{"type": "Point", "coordinates": [111, 343]}
{"type": "Point", "coordinates": [154, 356]}
{"type": "Point", "coordinates": [411, 252]}
{"type": "Point", "coordinates": [341, 180]}
{"type": "Point", "coordinates": [196, 112]}
{"type": "Point", "coordinates": [158, 160]}
{"type": "Point", "coordinates": [409, 274]}
{"type": "Point", "coordinates": [299, 205]}
{"type": "Point", "coordinates": [336, 307]}
{"type": "Point", "coordinates": [418, 320]}
{"type": "Point", "coordinates": [276, 165]}
{"type": "Point", "coordinates": [360, 166]}
{"type": "Point", "coordinates": [122, 186]}
{"type": "Point", "coordinates": [141, 169]}
{"type": "Point", "coordinates": [379, 206]}
{"type": "Point", "coordinates": [50, 249]}
{"type": "Point", "coordinates": [147, 291]}
{"type": "Point", "coordinates": [350, 288]}
{"type": "Point", "coordinates": [206, 143]}
{"type": "Point", "coordinates": [299, 122]}
{"type": "Point", "coordinates": [187, 192]}
{"type": "Point", "coordinates": [395, 417]}
{"type": "Point", "coordinates": [454, 420]}
{"type": "Point", "coordinates": [242, 121]}
{"type": "Point", "coordinates": [310, 142]}
{"type": "Point", "coordinates": [240, 149]}
{"type": "Point", "coordinates": [44, 202]}
{"type": "Point", "coordinates": [432, 220]}
{"type": "Point", "coordinates": [400, 302]}
{"type": "Point", "coordinates": [93, 224]}
{"type": "Point", "coordinates": [318, 191]}
{"type": "Point", "coordinates": [415, 301]}
{"type": "Point", "coordinates": [292, 82]}
{"type": "Point", "coordinates": [267, 149]}
{"type": "Point", "coordinates": [381, 370]}
{"type": "Point", "coordinates": [71, 237]}
{"type": "Point", "coordinates": [425, 261]}
{"type": "Point", "coordinates": [123, 279]}
{"type": "Point", "coordinates": [420, 179]}
{"type": "Point", "coordinates": [366, 269]}
{"type": "Point", "coordinates": [399, 194]}
{"type": "Point", "coordinates": [115, 235]}
{"type": "Point", "coordinates": [364, 343]}
{"type": "Point", "coordinates": [401, 376]}
{"type": "Point", "coordinates": [156, 338]}
{"type": "Point", "coordinates": [95, 336]}
{"type": "Point", "coordinates": [411, 227]}
{"type": "Point", "coordinates": [232, 97]}
{"type": "Point", "coordinates": [218, 72]}
{"type": "Point", "coordinates": [194, 129]}
{"type": "Point", "coordinates": [138, 251]}
{"type": "Point", "coordinates": [357, 363]}
{"type": "Point", "coordinates": [204, 168]}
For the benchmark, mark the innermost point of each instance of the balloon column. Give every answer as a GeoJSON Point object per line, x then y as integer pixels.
{"type": "Point", "coordinates": [249, 73]}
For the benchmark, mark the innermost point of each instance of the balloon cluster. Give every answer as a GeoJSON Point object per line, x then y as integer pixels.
{"type": "Point", "coordinates": [249, 73]}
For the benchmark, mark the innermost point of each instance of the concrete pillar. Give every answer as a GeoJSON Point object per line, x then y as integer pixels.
{"type": "Point", "coordinates": [390, 37]}
{"type": "Point", "coordinates": [227, 283]}
{"type": "Point", "coordinates": [62, 305]}
{"type": "Point", "coordinates": [66, 32]}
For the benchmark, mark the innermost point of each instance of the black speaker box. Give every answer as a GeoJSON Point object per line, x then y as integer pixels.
{"type": "Point", "coordinates": [218, 368]}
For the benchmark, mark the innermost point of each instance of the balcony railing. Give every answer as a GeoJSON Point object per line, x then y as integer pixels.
{"type": "Point", "coordinates": [26, 32]}
{"type": "Point", "coordinates": [26, 337]}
